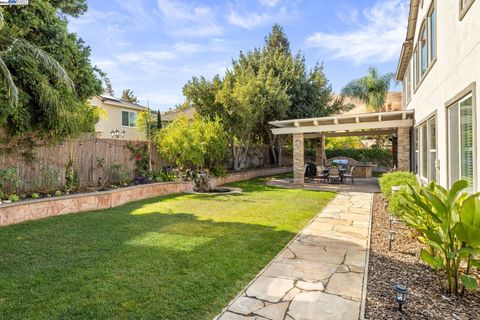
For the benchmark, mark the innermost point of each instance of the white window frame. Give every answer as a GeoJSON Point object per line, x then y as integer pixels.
{"type": "Point", "coordinates": [419, 149]}
{"type": "Point", "coordinates": [129, 112]}
{"type": "Point", "coordinates": [470, 90]}
{"type": "Point", "coordinates": [464, 6]}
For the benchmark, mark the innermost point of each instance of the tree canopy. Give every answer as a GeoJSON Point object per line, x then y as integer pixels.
{"type": "Point", "coordinates": [129, 96]}
{"type": "Point", "coordinates": [371, 89]}
{"type": "Point", "coordinates": [47, 106]}
{"type": "Point", "coordinates": [265, 84]}
{"type": "Point", "coordinates": [196, 144]}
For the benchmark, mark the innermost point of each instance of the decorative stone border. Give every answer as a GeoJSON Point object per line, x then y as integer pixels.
{"type": "Point", "coordinates": [42, 208]}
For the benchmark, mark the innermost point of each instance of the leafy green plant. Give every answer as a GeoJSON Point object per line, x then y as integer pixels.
{"type": "Point", "coordinates": [14, 198]}
{"type": "Point", "coordinates": [380, 156]}
{"type": "Point", "coordinates": [48, 179]}
{"type": "Point", "coordinates": [35, 196]}
{"type": "Point", "coordinates": [9, 181]}
{"type": "Point", "coordinates": [116, 174]}
{"type": "Point", "coordinates": [163, 176]}
{"type": "Point", "coordinates": [448, 223]}
{"type": "Point", "coordinates": [141, 157]}
{"type": "Point", "coordinates": [58, 193]}
{"type": "Point", "coordinates": [218, 171]}
{"type": "Point", "coordinates": [396, 178]}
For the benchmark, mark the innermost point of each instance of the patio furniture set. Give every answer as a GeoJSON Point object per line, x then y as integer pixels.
{"type": "Point", "coordinates": [338, 172]}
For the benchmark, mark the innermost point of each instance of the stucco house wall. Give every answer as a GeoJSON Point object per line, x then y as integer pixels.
{"type": "Point", "coordinates": [456, 68]}
{"type": "Point", "coordinates": [112, 119]}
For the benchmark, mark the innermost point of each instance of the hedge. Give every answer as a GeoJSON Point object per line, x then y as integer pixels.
{"type": "Point", "coordinates": [382, 157]}
{"type": "Point", "coordinates": [398, 178]}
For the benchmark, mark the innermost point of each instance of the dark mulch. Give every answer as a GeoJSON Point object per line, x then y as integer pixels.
{"type": "Point", "coordinates": [428, 299]}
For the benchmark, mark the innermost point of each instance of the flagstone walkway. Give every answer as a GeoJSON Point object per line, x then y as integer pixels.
{"type": "Point", "coordinates": [319, 275]}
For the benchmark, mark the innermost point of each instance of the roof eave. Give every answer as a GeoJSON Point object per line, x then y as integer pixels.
{"type": "Point", "coordinates": [405, 55]}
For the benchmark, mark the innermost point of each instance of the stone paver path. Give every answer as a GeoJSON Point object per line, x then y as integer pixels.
{"type": "Point", "coordinates": [319, 275]}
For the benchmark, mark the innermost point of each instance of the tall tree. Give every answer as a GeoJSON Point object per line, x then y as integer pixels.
{"type": "Point", "coordinates": [44, 105]}
{"type": "Point", "coordinates": [159, 120]}
{"type": "Point", "coordinates": [371, 89]}
{"type": "Point", "coordinates": [129, 96]}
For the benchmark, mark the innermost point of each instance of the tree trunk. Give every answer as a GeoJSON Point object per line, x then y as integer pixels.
{"type": "Point", "coordinates": [272, 140]}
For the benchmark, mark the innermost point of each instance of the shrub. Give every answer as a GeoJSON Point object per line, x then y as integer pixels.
{"type": "Point", "coordinates": [163, 176]}
{"type": "Point", "coordinates": [58, 193]}
{"type": "Point", "coordinates": [219, 171]}
{"type": "Point", "coordinates": [48, 179]}
{"type": "Point", "coordinates": [14, 198]}
{"type": "Point", "coordinates": [448, 222]}
{"type": "Point", "coordinates": [116, 174]}
{"type": "Point", "coordinates": [397, 178]}
{"type": "Point", "coordinates": [9, 181]}
{"type": "Point", "coordinates": [193, 144]}
{"type": "Point", "coordinates": [380, 156]}
{"type": "Point", "coordinates": [35, 196]}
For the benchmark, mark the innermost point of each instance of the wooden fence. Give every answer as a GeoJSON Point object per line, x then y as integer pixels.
{"type": "Point", "coordinates": [89, 153]}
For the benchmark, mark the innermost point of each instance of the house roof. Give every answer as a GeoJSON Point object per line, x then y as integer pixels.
{"type": "Point", "coordinates": [170, 116]}
{"type": "Point", "coordinates": [113, 101]}
{"type": "Point", "coordinates": [407, 47]}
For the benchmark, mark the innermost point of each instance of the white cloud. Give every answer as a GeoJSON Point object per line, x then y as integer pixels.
{"type": "Point", "coordinates": [189, 19]}
{"type": "Point", "coordinates": [269, 3]}
{"type": "Point", "coordinates": [248, 21]}
{"type": "Point", "coordinates": [377, 39]}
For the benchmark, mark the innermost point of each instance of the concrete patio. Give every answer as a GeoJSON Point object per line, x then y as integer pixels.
{"type": "Point", "coordinates": [366, 185]}
{"type": "Point", "coordinates": [320, 275]}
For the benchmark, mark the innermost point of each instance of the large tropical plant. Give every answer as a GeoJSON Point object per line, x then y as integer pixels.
{"type": "Point", "coordinates": [371, 89]}
{"type": "Point", "coordinates": [448, 222]}
{"type": "Point", "coordinates": [11, 45]}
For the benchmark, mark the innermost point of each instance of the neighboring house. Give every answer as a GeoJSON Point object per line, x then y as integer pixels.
{"type": "Point", "coordinates": [120, 116]}
{"type": "Point", "coordinates": [440, 70]}
{"type": "Point", "coordinates": [170, 116]}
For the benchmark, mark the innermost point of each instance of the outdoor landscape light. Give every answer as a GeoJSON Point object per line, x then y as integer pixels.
{"type": "Point", "coordinates": [116, 134]}
{"type": "Point", "coordinates": [401, 293]}
{"type": "Point", "coordinates": [123, 134]}
{"type": "Point", "coordinates": [391, 238]}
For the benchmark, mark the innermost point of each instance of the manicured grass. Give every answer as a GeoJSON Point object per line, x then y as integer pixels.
{"type": "Point", "coordinates": [176, 257]}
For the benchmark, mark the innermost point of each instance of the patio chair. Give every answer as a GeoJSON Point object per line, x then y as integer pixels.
{"type": "Point", "coordinates": [322, 174]}
{"type": "Point", "coordinates": [349, 174]}
{"type": "Point", "coordinates": [334, 175]}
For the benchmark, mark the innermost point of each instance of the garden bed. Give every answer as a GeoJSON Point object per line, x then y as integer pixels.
{"type": "Point", "coordinates": [21, 211]}
{"type": "Point", "coordinates": [428, 299]}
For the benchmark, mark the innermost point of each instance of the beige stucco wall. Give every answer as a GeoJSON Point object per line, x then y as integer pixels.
{"type": "Point", "coordinates": [457, 66]}
{"type": "Point", "coordinates": [112, 120]}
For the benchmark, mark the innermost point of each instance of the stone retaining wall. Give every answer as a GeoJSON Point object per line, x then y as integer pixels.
{"type": "Point", "coordinates": [37, 209]}
{"type": "Point", "coordinates": [242, 176]}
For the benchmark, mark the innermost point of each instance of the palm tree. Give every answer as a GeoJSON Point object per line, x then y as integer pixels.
{"type": "Point", "coordinates": [12, 45]}
{"type": "Point", "coordinates": [371, 89]}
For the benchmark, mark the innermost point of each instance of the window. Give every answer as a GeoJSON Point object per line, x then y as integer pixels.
{"type": "Point", "coordinates": [460, 142]}
{"type": "Point", "coordinates": [464, 7]}
{"type": "Point", "coordinates": [432, 142]}
{"type": "Point", "coordinates": [409, 83]}
{"type": "Point", "coordinates": [129, 118]}
{"type": "Point", "coordinates": [426, 149]}
{"type": "Point", "coordinates": [425, 53]}
{"type": "Point", "coordinates": [432, 22]}
{"type": "Point", "coordinates": [415, 67]}
{"type": "Point", "coordinates": [417, 150]}
{"type": "Point", "coordinates": [423, 50]}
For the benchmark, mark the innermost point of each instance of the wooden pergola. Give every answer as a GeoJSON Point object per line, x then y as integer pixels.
{"type": "Point", "coordinates": [395, 123]}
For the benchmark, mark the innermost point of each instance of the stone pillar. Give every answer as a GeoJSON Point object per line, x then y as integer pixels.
{"type": "Point", "coordinates": [298, 159]}
{"type": "Point", "coordinates": [320, 154]}
{"type": "Point", "coordinates": [403, 149]}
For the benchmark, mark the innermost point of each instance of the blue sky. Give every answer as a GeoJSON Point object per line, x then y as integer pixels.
{"type": "Point", "coordinates": [155, 46]}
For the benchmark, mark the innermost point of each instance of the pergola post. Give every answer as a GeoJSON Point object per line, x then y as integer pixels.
{"type": "Point", "coordinates": [298, 159]}
{"type": "Point", "coordinates": [320, 154]}
{"type": "Point", "coordinates": [403, 149]}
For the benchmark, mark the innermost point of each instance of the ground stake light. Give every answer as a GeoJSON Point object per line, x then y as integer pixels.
{"type": "Point", "coordinates": [391, 238]}
{"type": "Point", "coordinates": [401, 293]}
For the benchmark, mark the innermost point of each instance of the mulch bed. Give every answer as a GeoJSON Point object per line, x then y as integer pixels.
{"type": "Point", "coordinates": [427, 299]}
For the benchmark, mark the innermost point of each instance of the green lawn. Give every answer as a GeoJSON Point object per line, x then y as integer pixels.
{"type": "Point", "coordinates": [175, 257]}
